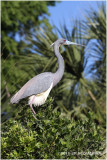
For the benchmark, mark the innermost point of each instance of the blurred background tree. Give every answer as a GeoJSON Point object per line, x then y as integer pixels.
{"type": "Point", "coordinates": [17, 19]}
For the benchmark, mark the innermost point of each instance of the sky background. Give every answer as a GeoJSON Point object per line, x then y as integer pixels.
{"type": "Point", "coordinates": [68, 11]}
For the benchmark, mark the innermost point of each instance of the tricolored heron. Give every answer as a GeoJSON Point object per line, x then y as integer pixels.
{"type": "Point", "coordinates": [39, 87]}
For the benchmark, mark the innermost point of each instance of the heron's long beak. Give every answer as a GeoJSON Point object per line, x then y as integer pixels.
{"type": "Point", "coordinates": [72, 43]}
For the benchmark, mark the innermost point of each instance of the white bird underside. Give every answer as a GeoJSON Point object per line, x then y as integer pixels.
{"type": "Point", "coordinates": [40, 99]}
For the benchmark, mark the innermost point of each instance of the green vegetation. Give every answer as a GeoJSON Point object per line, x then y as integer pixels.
{"type": "Point", "coordinates": [21, 17]}
{"type": "Point", "coordinates": [72, 123]}
{"type": "Point", "coordinates": [51, 136]}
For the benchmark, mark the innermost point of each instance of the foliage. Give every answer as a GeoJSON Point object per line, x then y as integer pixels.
{"type": "Point", "coordinates": [18, 18]}
{"type": "Point", "coordinates": [51, 135]}
{"type": "Point", "coordinates": [94, 29]}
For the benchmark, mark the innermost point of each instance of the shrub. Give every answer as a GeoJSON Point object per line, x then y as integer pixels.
{"type": "Point", "coordinates": [50, 135]}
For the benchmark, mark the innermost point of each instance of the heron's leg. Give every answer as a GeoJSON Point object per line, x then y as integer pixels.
{"type": "Point", "coordinates": [31, 106]}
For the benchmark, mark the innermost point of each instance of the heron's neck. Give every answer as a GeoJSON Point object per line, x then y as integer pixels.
{"type": "Point", "coordinates": [59, 73]}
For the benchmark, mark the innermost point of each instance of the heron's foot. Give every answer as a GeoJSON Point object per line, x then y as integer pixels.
{"type": "Point", "coordinates": [34, 116]}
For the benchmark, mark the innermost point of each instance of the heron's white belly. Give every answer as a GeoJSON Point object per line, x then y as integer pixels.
{"type": "Point", "coordinates": [40, 99]}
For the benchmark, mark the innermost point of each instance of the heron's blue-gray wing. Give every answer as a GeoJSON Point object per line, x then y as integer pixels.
{"type": "Point", "coordinates": [36, 85]}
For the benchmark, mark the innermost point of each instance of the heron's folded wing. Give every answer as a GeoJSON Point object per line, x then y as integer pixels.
{"type": "Point", "coordinates": [36, 85]}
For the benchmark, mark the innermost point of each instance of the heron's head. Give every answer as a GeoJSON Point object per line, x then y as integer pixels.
{"type": "Point", "coordinates": [63, 41]}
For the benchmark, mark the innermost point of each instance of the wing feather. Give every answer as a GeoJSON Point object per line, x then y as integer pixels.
{"type": "Point", "coordinates": [36, 85]}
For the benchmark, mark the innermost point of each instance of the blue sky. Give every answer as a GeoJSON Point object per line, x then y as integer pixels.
{"type": "Point", "coordinates": [68, 11]}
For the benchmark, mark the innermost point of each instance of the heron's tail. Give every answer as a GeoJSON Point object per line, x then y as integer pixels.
{"type": "Point", "coordinates": [15, 98]}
